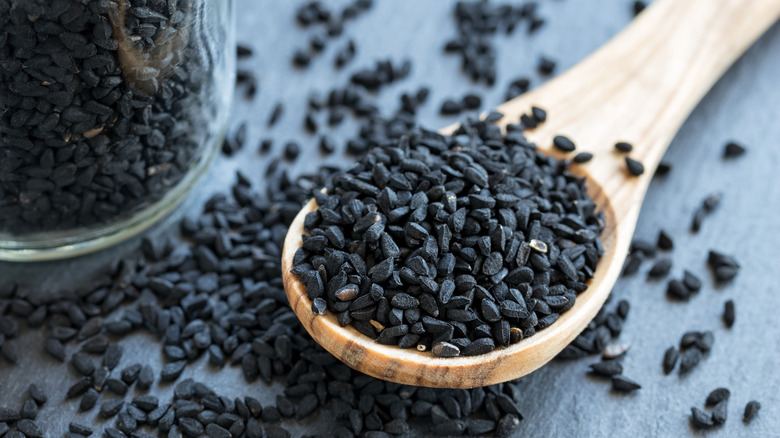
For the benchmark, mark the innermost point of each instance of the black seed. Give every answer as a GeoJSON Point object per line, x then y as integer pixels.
{"type": "Point", "coordinates": [677, 289]}
{"type": "Point", "coordinates": [728, 313]}
{"type": "Point", "coordinates": [479, 346]}
{"type": "Point", "coordinates": [83, 364]}
{"type": "Point", "coordinates": [607, 368]}
{"type": "Point", "coordinates": [663, 169]}
{"type": "Point", "coordinates": [670, 359]}
{"type": "Point", "coordinates": [690, 359]}
{"type": "Point", "coordinates": [110, 408]}
{"type": "Point", "coordinates": [637, 7]}
{"type": "Point", "coordinates": [145, 377]}
{"type": "Point", "coordinates": [450, 107]}
{"type": "Point", "coordinates": [634, 167]}
{"type": "Point", "coordinates": [633, 262]}
{"type": "Point", "coordinates": [471, 101]}
{"type": "Point", "coordinates": [751, 410]}
{"type": "Point", "coordinates": [546, 65]}
{"type": "Point", "coordinates": [660, 268]}
{"type": "Point", "coordinates": [172, 371]}
{"type": "Point", "coordinates": [89, 400]}
{"type": "Point", "coordinates": [701, 419]}
{"type": "Point", "coordinates": [720, 412]}
{"type": "Point", "coordinates": [563, 143]}
{"type": "Point", "coordinates": [445, 349]}
{"type": "Point", "coordinates": [539, 114]}
{"type": "Point", "coordinates": [622, 146]}
{"type": "Point", "coordinates": [623, 384]}
{"type": "Point", "coordinates": [276, 113]}
{"type": "Point", "coordinates": [582, 157]}
{"type": "Point", "coordinates": [733, 149]}
{"type": "Point", "coordinates": [717, 395]}
{"type": "Point", "coordinates": [80, 429]}
{"type": "Point", "coordinates": [664, 241]}
{"type": "Point", "coordinates": [29, 429]}
{"type": "Point", "coordinates": [37, 394]}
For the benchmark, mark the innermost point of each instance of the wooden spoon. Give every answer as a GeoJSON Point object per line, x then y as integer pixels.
{"type": "Point", "coordinates": [640, 88]}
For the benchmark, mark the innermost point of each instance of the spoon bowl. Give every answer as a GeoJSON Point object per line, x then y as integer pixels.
{"type": "Point", "coordinates": [413, 367]}
{"type": "Point", "coordinates": [639, 88]}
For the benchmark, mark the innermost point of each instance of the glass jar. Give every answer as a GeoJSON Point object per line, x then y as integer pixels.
{"type": "Point", "coordinates": [110, 110]}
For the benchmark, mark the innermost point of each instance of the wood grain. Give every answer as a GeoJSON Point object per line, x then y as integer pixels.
{"type": "Point", "coordinates": [640, 87]}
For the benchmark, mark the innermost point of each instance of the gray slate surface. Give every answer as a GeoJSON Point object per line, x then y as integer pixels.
{"type": "Point", "coordinates": [560, 399]}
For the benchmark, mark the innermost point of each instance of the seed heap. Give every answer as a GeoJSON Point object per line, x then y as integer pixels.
{"type": "Point", "coordinates": [87, 137]}
{"type": "Point", "coordinates": [454, 244]}
{"type": "Point", "coordinates": [220, 294]}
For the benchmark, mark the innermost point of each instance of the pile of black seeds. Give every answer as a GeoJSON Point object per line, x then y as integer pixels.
{"type": "Point", "coordinates": [89, 137]}
{"type": "Point", "coordinates": [219, 293]}
{"type": "Point", "coordinates": [451, 244]}
{"type": "Point", "coordinates": [245, 323]}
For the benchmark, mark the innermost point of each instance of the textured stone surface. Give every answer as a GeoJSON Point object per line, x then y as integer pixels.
{"type": "Point", "coordinates": [559, 400]}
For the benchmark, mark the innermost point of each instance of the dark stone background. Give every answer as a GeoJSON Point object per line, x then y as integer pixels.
{"type": "Point", "coordinates": [560, 399]}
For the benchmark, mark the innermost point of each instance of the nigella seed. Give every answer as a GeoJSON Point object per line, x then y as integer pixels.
{"type": "Point", "coordinates": [607, 368]}
{"type": "Point", "coordinates": [717, 395]}
{"type": "Point", "coordinates": [729, 313]}
{"type": "Point", "coordinates": [670, 359]}
{"type": "Point", "coordinates": [291, 150]}
{"type": "Point", "coordinates": [450, 107]}
{"type": "Point", "coordinates": [111, 407]}
{"type": "Point", "coordinates": [660, 268]}
{"type": "Point", "coordinates": [276, 113]}
{"type": "Point", "coordinates": [720, 412]}
{"type": "Point", "coordinates": [563, 143]}
{"type": "Point", "coordinates": [701, 419]}
{"type": "Point", "coordinates": [582, 157]}
{"type": "Point", "coordinates": [624, 147]}
{"type": "Point", "coordinates": [634, 167]}
{"type": "Point", "coordinates": [665, 242]}
{"type": "Point", "coordinates": [677, 289]}
{"type": "Point", "coordinates": [539, 114]}
{"type": "Point", "coordinates": [631, 266]}
{"type": "Point", "coordinates": [546, 66]}
{"type": "Point", "coordinates": [751, 410]}
{"type": "Point", "coordinates": [445, 349]}
{"type": "Point", "coordinates": [733, 150]}
{"type": "Point", "coordinates": [624, 384]}
{"type": "Point", "coordinates": [690, 359]}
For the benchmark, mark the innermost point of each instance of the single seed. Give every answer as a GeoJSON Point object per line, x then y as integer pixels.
{"type": "Point", "coordinates": [751, 410]}
{"type": "Point", "coordinates": [582, 157]}
{"type": "Point", "coordinates": [729, 313]}
{"type": "Point", "coordinates": [733, 150]}
{"type": "Point", "coordinates": [624, 147]}
{"type": "Point", "coordinates": [634, 167]}
{"type": "Point", "coordinates": [563, 143]}
{"type": "Point", "coordinates": [624, 384]}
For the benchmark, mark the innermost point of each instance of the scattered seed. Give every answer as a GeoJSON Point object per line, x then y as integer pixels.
{"type": "Point", "coordinates": [582, 157]}
{"type": "Point", "coordinates": [634, 167]}
{"type": "Point", "coordinates": [701, 419]}
{"type": "Point", "coordinates": [733, 150]}
{"type": "Point", "coordinates": [623, 384]}
{"type": "Point", "coordinates": [670, 359]}
{"type": "Point", "coordinates": [728, 313]}
{"type": "Point", "coordinates": [563, 143]}
{"type": "Point", "coordinates": [751, 410]}
{"type": "Point", "coordinates": [717, 395]}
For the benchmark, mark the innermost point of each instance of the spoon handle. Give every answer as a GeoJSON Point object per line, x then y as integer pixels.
{"type": "Point", "coordinates": [642, 85]}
